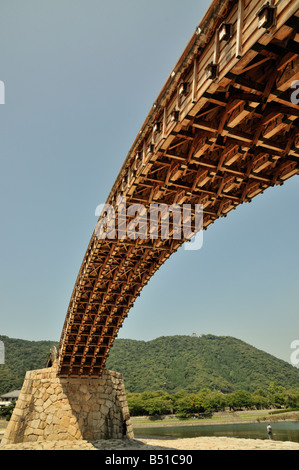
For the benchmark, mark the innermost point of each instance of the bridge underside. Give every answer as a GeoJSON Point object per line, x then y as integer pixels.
{"type": "Point", "coordinates": [223, 129]}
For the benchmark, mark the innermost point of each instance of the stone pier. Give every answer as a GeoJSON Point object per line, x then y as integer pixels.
{"type": "Point", "coordinates": [51, 408]}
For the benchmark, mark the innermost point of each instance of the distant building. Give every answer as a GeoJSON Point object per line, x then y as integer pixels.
{"type": "Point", "coordinates": [194, 335]}
{"type": "Point", "coordinates": [8, 398]}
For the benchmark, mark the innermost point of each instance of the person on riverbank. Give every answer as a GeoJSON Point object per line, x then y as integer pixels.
{"type": "Point", "coordinates": [269, 431]}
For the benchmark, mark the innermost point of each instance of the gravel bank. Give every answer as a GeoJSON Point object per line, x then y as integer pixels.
{"type": "Point", "coordinates": [196, 443]}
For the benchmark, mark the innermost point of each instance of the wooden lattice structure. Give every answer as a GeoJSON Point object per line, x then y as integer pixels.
{"type": "Point", "coordinates": [223, 129]}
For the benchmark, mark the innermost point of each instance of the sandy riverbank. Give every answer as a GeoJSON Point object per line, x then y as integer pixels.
{"type": "Point", "coordinates": [197, 443]}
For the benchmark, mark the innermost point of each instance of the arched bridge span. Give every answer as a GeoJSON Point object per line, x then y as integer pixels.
{"type": "Point", "coordinates": [223, 129]}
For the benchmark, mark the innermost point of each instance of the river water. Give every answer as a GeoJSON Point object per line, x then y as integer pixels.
{"type": "Point", "coordinates": [282, 431]}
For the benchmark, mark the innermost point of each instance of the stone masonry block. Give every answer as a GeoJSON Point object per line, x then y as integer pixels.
{"type": "Point", "coordinates": [52, 408]}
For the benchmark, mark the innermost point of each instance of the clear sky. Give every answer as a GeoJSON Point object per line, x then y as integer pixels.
{"type": "Point", "coordinates": [80, 77]}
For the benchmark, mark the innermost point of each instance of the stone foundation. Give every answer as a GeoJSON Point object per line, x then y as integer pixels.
{"type": "Point", "coordinates": [51, 408]}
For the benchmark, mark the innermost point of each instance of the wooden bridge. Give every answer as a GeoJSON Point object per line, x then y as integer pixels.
{"type": "Point", "coordinates": [223, 129]}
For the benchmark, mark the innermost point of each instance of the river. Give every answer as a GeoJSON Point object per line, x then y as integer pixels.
{"type": "Point", "coordinates": [282, 431]}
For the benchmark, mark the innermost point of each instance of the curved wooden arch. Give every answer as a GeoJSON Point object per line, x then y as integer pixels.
{"type": "Point", "coordinates": [223, 129]}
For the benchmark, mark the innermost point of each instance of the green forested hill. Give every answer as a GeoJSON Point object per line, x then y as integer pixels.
{"type": "Point", "coordinates": [184, 362]}
{"type": "Point", "coordinates": [20, 356]}
{"type": "Point", "coordinates": [171, 363]}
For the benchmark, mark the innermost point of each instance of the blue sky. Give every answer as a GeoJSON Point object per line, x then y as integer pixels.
{"type": "Point", "coordinates": [80, 78]}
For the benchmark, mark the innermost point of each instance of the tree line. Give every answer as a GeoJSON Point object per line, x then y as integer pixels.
{"type": "Point", "coordinates": [185, 404]}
